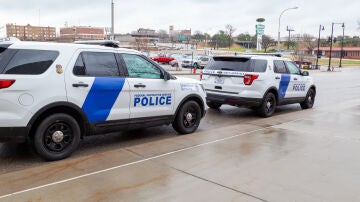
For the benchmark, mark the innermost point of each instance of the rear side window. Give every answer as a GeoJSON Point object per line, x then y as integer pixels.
{"type": "Point", "coordinates": [31, 62]}
{"type": "Point", "coordinates": [237, 64]}
{"type": "Point", "coordinates": [96, 64]}
{"type": "Point", "coordinates": [279, 67]}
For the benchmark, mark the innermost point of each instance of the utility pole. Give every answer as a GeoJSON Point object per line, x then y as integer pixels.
{"type": "Point", "coordinates": [321, 28]}
{"type": "Point", "coordinates": [289, 30]}
{"type": "Point", "coordinates": [331, 44]}
{"type": "Point", "coordinates": [112, 19]}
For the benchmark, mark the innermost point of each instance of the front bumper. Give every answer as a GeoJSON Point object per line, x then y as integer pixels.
{"type": "Point", "coordinates": [13, 134]}
{"type": "Point", "coordinates": [232, 100]}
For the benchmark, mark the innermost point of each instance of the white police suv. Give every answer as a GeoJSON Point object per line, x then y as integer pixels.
{"type": "Point", "coordinates": [54, 94]}
{"type": "Point", "coordinates": [260, 82]}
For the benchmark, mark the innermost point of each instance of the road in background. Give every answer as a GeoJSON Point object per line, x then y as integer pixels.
{"type": "Point", "coordinates": [296, 155]}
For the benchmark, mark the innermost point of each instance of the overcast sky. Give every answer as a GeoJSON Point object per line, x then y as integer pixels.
{"type": "Point", "coordinates": [203, 15]}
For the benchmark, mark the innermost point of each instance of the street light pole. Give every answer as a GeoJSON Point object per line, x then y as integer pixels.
{"type": "Point", "coordinates": [331, 43]}
{"type": "Point", "coordinates": [342, 45]}
{"type": "Point", "coordinates": [112, 19]}
{"type": "Point", "coordinates": [278, 42]}
{"type": "Point", "coordinates": [321, 28]}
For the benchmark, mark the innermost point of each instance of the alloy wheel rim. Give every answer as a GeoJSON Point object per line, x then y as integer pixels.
{"type": "Point", "coordinates": [58, 137]}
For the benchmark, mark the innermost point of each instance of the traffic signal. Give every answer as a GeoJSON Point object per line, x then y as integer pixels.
{"type": "Point", "coordinates": [335, 40]}
{"type": "Point", "coordinates": [329, 39]}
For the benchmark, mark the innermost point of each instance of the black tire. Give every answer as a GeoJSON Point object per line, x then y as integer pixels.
{"type": "Point", "coordinates": [57, 137]}
{"type": "Point", "coordinates": [309, 100]}
{"type": "Point", "coordinates": [213, 105]}
{"type": "Point", "coordinates": [188, 118]}
{"type": "Point", "coordinates": [268, 105]}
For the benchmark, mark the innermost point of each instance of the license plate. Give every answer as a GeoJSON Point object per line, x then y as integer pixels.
{"type": "Point", "coordinates": [219, 80]}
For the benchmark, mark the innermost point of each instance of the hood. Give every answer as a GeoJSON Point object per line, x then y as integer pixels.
{"type": "Point", "coordinates": [187, 80]}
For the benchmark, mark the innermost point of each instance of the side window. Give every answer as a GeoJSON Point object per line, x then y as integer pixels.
{"type": "Point", "coordinates": [96, 64]}
{"type": "Point", "coordinates": [259, 65]}
{"type": "Point", "coordinates": [31, 62]}
{"type": "Point", "coordinates": [79, 68]}
{"type": "Point", "coordinates": [293, 69]}
{"type": "Point", "coordinates": [279, 67]}
{"type": "Point", "coordinates": [139, 67]}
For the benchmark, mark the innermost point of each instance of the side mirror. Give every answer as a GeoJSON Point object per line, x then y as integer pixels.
{"type": "Point", "coordinates": [166, 76]}
{"type": "Point", "coordinates": [305, 73]}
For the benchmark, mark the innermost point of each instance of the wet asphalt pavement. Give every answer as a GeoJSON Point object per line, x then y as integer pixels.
{"type": "Point", "coordinates": [296, 155]}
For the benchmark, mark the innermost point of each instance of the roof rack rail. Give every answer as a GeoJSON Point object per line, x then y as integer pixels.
{"type": "Point", "coordinates": [107, 43]}
{"type": "Point", "coordinates": [266, 54]}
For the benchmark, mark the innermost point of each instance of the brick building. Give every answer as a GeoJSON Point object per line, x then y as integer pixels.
{"type": "Point", "coordinates": [76, 33]}
{"type": "Point", "coordinates": [180, 35]}
{"type": "Point", "coordinates": [31, 33]}
{"type": "Point", "coordinates": [349, 52]}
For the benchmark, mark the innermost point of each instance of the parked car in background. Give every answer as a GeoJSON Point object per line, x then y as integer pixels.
{"type": "Point", "coordinates": [204, 60]}
{"type": "Point", "coordinates": [177, 59]}
{"type": "Point", "coordinates": [191, 61]}
{"type": "Point", "coordinates": [304, 64]}
{"type": "Point", "coordinates": [164, 58]}
{"type": "Point", "coordinates": [153, 56]}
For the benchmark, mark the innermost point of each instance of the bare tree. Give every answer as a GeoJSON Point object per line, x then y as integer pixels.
{"type": "Point", "coordinates": [163, 35]}
{"type": "Point", "coordinates": [230, 31]}
{"type": "Point", "coordinates": [267, 41]}
{"type": "Point", "coordinates": [309, 43]}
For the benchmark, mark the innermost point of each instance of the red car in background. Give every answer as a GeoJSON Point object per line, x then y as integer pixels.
{"type": "Point", "coordinates": [161, 58]}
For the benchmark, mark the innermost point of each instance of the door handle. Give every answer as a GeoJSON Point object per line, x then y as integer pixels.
{"type": "Point", "coordinates": [277, 77]}
{"type": "Point", "coordinates": [76, 85]}
{"type": "Point", "coordinates": [140, 85]}
{"type": "Point", "coordinates": [295, 79]}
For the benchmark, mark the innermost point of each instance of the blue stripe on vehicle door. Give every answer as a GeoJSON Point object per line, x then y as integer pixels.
{"type": "Point", "coordinates": [101, 98]}
{"type": "Point", "coordinates": [284, 83]}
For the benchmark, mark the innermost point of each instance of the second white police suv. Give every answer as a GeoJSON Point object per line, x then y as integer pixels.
{"type": "Point", "coordinates": [260, 82]}
{"type": "Point", "coordinates": [52, 94]}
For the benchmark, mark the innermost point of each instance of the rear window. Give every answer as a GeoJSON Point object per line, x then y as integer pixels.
{"type": "Point", "coordinates": [237, 64]}
{"type": "Point", "coordinates": [28, 61]}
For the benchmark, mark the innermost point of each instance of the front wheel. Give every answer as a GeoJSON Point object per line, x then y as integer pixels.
{"type": "Point", "coordinates": [57, 137]}
{"type": "Point", "coordinates": [309, 100]}
{"type": "Point", "coordinates": [187, 119]}
{"type": "Point", "coordinates": [268, 105]}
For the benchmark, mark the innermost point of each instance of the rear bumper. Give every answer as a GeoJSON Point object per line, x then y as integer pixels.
{"type": "Point", "coordinates": [232, 100]}
{"type": "Point", "coordinates": [13, 134]}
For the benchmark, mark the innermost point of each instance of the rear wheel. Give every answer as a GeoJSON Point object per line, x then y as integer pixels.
{"type": "Point", "coordinates": [213, 105]}
{"type": "Point", "coordinates": [268, 105]}
{"type": "Point", "coordinates": [57, 137]}
{"type": "Point", "coordinates": [187, 119]}
{"type": "Point", "coordinates": [309, 100]}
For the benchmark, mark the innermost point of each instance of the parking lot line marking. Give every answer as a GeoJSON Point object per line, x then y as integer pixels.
{"type": "Point", "coordinates": [139, 161]}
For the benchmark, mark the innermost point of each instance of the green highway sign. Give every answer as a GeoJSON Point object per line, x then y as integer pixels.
{"type": "Point", "coordinates": [260, 32]}
{"type": "Point", "coordinates": [260, 26]}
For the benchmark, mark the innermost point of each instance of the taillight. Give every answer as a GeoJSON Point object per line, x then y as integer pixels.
{"type": "Point", "coordinates": [200, 75]}
{"type": "Point", "coordinates": [249, 78]}
{"type": "Point", "coordinates": [6, 83]}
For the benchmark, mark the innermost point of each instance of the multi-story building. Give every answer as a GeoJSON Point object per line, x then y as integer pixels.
{"type": "Point", "coordinates": [31, 33]}
{"type": "Point", "coordinates": [180, 35]}
{"type": "Point", "coordinates": [76, 33]}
